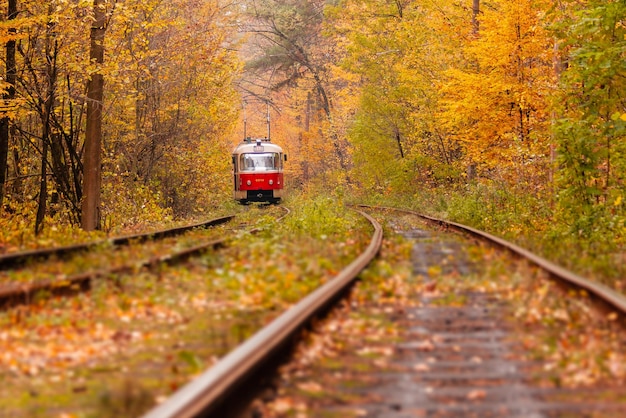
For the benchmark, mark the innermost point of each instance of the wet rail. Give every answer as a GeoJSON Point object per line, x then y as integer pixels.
{"type": "Point", "coordinates": [461, 352]}
{"type": "Point", "coordinates": [220, 390]}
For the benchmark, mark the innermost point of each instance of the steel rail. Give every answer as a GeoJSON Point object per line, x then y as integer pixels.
{"type": "Point", "coordinates": [17, 293]}
{"type": "Point", "coordinates": [287, 212]}
{"type": "Point", "coordinates": [21, 293]}
{"type": "Point", "coordinates": [14, 259]}
{"type": "Point", "coordinates": [608, 295]}
{"type": "Point", "coordinates": [204, 394]}
{"type": "Point", "coordinates": [12, 294]}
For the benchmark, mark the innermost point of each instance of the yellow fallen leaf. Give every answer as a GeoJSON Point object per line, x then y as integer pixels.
{"type": "Point", "coordinates": [282, 405]}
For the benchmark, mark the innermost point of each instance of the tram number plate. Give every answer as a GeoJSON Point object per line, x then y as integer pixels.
{"type": "Point", "coordinates": [259, 148]}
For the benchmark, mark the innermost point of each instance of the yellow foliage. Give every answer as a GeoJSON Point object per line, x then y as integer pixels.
{"type": "Point", "coordinates": [497, 106]}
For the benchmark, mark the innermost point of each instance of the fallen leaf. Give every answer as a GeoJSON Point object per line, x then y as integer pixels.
{"type": "Point", "coordinates": [421, 367]}
{"type": "Point", "coordinates": [282, 405]}
{"type": "Point", "coordinates": [310, 387]}
{"type": "Point", "coordinates": [426, 345]}
{"type": "Point", "coordinates": [476, 394]}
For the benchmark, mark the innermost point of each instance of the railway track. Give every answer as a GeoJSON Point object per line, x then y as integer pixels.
{"type": "Point", "coordinates": [430, 330]}
{"type": "Point", "coordinates": [447, 350]}
{"type": "Point", "coordinates": [14, 292]}
{"type": "Point", "coordinates": [218, 392]}
{"type": "Point", "coordinates": [12, 260]}
{"type": "Point", "coordinates": [603, 293]}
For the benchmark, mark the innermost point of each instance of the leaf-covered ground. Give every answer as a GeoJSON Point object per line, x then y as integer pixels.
{"type": "Point", "coordinates": [130, 342]}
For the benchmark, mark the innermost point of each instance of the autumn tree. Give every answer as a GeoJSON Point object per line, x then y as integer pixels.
{"type": "Point", "coordinates": [167, 111]}
{"type": "Point", "coordinates": [394, 56]}
{"type": "Point", "coordinates": [174, 103]}
{"type": "Point", "coordinates": [8, 95]}
{"type": "Point", "coordinates": [47, 67]}
{"type": "Point", "coordinates": [288, 57]}
{"type": "Point", "coordinates": [495, 104]}
{"type": "Point", "coordinates": [591, 124]}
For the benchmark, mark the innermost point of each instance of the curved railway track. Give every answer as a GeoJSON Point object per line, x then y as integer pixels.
{"type": "Point", "coordinates": [490, 384]}
{"type": "Point", "coordinates": [132, 324]}
{"type": "Point", "coordinates": [601, 292]}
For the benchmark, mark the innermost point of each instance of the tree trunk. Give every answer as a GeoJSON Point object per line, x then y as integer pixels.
{"type": "Point", "coordinates": [8, 100]}
{"type": "Point", "coordinates": [43, 189]}
{"type": "Point", "coordinates": [475, 13]}
{"type": "Point", "coordinates": [92, 179]}
{"type": "Point", "coordinates": [399, 142]}
{"type": "Point", "coordinates": [471, 169]}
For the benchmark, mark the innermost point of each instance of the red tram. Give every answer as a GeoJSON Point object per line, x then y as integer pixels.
{"type": "Point", "coordinates": [258, 171]}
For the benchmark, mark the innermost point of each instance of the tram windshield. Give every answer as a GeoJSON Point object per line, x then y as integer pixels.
{"type": "Point", "coordinates": [262, 161]}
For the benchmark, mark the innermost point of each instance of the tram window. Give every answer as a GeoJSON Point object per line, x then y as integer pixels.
{"type": "Point", "coordinates": [260, 161]}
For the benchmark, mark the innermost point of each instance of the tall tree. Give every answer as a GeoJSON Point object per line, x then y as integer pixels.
{"type": "Point", "coordinates": [46, 104]}
{"type": "Point", "coordinates": [92, 177]}
{"type": "Point", "coordinates": [292, 54]}
{"type": "Point", "coordinates": [591, 129]}
{"type": "Point", "coordinates": [8, 97]}
{"type": "Point", "coordinates": [475, 14]}
{"type": "Point", "coordinates": [51, 64]}
{"type": "Point", "coordinates": [496, 105]}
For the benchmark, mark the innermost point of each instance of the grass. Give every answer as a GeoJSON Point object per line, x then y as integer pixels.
{"type": "Point", "coordinates": [158, 330]}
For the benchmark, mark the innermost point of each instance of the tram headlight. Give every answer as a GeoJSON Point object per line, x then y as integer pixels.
{"type": "Point", "coordinates": [271, 182]}
{"type": "Point", "coordinates": [249, 183]}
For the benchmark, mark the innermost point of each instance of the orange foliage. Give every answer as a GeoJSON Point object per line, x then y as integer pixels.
{"type": "Point", "coordinates": [496, 106]}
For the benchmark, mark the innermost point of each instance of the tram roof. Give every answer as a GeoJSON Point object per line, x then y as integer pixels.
{"type": "Point", "coordinates": [256, 145]}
